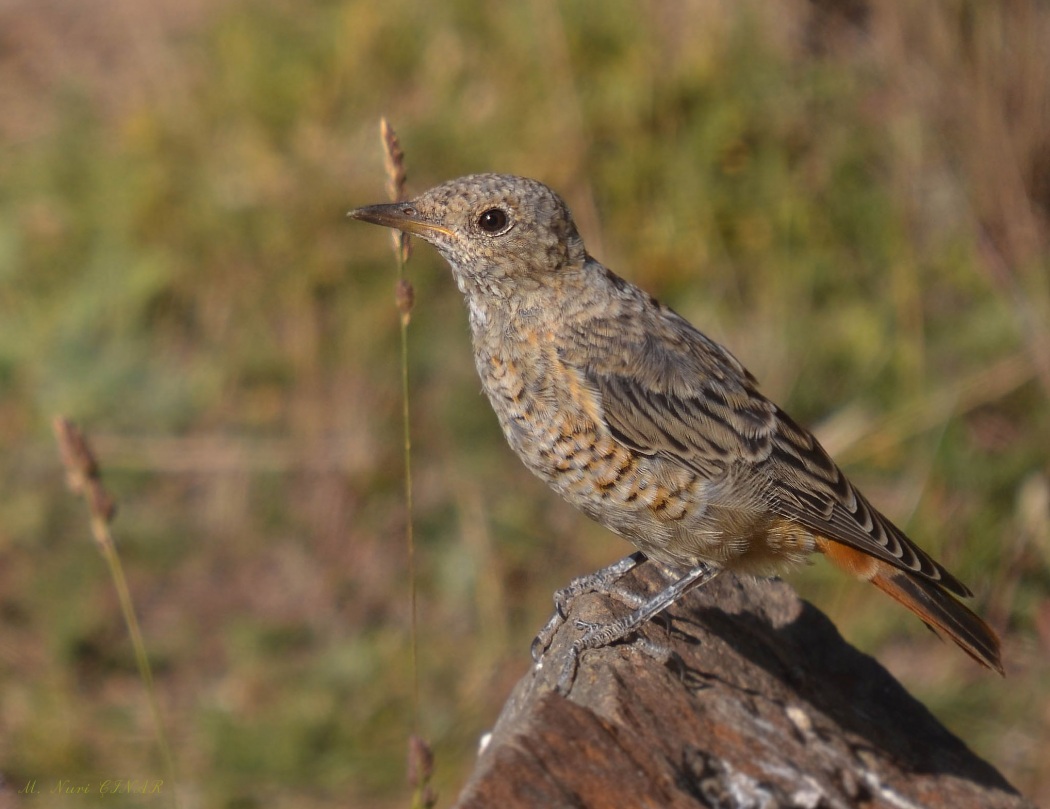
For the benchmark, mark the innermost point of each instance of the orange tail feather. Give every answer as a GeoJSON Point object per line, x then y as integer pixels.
{"type": "Point", "coordinates": [943, 612]}
{"type": "Point", "coordinates": [938, 609]}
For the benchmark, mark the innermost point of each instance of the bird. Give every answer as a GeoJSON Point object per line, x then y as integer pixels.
{"type": "Point", "coordinates": [647, 425]}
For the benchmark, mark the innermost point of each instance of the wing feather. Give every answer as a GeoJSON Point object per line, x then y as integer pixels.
{"type": "Point", "coordinates": [694, 404]}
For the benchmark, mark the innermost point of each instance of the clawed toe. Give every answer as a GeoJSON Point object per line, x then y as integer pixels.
{"type": "Point", "coordinates": [541, 643]}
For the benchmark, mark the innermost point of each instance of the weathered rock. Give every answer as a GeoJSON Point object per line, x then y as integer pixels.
{"type": "Point", "coordinates": [760, 704]}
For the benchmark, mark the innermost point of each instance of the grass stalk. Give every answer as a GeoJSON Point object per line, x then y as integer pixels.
{"type": "Point", "coordinates": [84, 478]}
{"type": "Point", "coordinates": [420, 757]}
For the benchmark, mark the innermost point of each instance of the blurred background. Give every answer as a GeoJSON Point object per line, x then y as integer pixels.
{"type": "Point", "coordinates": [854, 197]}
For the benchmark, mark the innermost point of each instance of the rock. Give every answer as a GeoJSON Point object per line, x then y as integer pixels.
{"type": "Point", "coordinates": [757, 702]}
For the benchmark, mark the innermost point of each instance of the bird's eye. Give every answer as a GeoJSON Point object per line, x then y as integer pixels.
{"type": "Point", "coordinates": [493, 220]}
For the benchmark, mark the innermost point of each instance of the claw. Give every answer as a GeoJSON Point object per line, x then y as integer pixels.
{"type": "Point", "coordinates": [542, 642]}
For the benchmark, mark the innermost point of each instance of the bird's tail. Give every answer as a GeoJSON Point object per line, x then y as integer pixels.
{"type": "Point", "coordinates": [942, 612]}
{"type": "Point", "coordinates": [938, 609]}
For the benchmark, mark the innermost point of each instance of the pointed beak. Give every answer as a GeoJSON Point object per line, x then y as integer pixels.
{"type": "Point", "coordinates": [401, 215]}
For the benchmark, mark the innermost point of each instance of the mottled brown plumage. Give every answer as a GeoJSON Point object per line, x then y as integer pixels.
{"type": "Point", "coordinates": [644, 423]}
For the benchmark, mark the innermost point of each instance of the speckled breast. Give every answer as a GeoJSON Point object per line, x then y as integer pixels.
{"type": "Point", "coordinates": [552, 419]}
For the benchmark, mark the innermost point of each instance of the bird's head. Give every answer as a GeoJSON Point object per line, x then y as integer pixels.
{"type": "Point", "coordinates": [501, 234]}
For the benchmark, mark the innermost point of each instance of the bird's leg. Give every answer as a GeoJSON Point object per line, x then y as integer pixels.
{"type": "Point", "coordinates": [599, 635]}
{"type": "Point", "coordinates": [599, 581]}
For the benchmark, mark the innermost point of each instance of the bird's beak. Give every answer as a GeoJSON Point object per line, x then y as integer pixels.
{"type": "Point", "coordinates": [401, 215]}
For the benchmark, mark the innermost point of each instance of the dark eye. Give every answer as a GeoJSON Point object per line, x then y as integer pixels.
{"type": "Point", "coordinates": [493, 220]}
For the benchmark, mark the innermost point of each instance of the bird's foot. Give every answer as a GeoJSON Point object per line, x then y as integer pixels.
{"type": "Point", "coordinates": [599, 581]}
{"type": "Point", "coordinates": [598, 635]}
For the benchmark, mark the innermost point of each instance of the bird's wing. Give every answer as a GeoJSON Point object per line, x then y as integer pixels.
{"type": "Point", "coordinates": [690, 401]}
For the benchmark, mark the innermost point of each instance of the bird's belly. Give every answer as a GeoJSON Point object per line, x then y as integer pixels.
{"type": "Point", "coordinates": [665, 508]}
{"type": "Point", "coordinates": [659, 506]}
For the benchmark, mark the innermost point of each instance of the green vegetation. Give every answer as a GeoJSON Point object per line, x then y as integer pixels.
{"type": "Point", "coordinates": [861, 214]}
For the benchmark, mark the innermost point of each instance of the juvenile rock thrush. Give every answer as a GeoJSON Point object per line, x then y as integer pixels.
{"type": "Point", "coordinates": [647, 425]}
